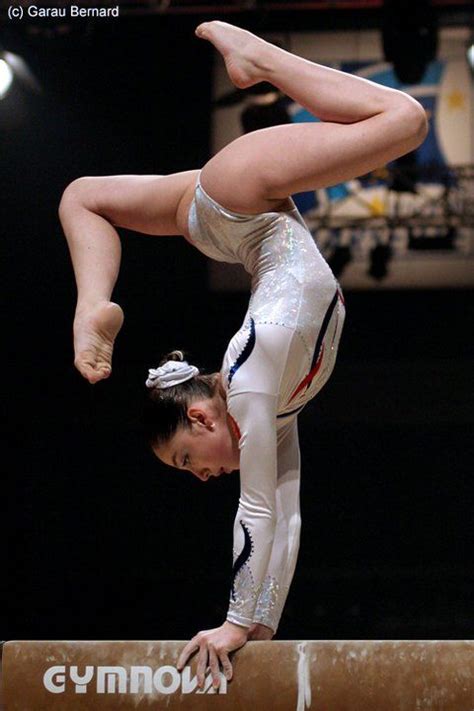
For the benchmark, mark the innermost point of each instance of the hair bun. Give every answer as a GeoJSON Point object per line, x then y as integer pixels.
{"type": "Point", "coordinates": [174, 355]}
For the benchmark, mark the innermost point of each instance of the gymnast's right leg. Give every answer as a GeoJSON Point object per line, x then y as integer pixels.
{"type": "Point", "coordinates": [90, 209]}
{"type": "Point", "coordinates": [363, 126]}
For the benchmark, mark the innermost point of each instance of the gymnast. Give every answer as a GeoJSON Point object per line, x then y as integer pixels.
{"type": "Point", "coordinates": [238, 208]}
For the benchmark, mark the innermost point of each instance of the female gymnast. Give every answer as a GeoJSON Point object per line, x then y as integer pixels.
{"type": "Point", "coordinates": [238, 209]}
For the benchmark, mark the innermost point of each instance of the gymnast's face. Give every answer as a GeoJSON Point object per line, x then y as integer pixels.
{"type": "Point", "coordinates": [209, 447]}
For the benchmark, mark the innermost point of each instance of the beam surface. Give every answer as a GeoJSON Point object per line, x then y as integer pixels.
{"type": "Point", "coordinates": [268, 676]}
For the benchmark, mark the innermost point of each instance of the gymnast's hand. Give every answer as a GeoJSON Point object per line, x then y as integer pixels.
{"type": "Point", "coordinates": [214, 647]}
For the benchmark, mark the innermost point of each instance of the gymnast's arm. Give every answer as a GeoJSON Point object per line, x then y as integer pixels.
{"type": "Point", "coordinates": [286, 539]}
{"type": "Point", "coordinates": [255, 522]}
{"type": "Point", "coordinates": [255, 360]}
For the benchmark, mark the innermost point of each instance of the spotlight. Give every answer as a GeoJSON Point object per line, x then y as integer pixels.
{"type": "Point", "coordinates": [6, 78]}
{"type": "Point", "coordinates": [444, 239]}
{"type": "Point", "coordinates": [470, 53]}
{"type": "Point", "coordinates": [410, 37]}
{"type": "Point", "coordinates": [379, 259]}
{"type": "Point", "coordinates": [339, 259]}
{"type": "Point", "coordinates": [22, 72]}
{"type": "Point", "coordinates": [403, 174]}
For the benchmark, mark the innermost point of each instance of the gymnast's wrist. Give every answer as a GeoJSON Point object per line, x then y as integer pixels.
{"type": "Point", "coordinates": [237, 627]}
{"type": "Point", "coordinates": [259, 631]}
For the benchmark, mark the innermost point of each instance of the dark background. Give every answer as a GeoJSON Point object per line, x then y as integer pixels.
{"type": "Point", "coordinates": [100, 541]}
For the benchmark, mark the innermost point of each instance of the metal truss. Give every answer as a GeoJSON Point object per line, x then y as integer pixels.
{"type": "Point", "coordinates": [435, 215]}
{"type": "Point", "coordinates": [452, 205]}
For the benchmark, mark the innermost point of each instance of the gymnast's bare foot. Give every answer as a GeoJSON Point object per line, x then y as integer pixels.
{"type": "Point", "coordinates": [95, 330]}
{"type": "Point", "coordinates": [244, 53]}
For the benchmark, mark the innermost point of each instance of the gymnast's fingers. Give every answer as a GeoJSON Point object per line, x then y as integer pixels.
{"type": "Point", "coordinates": [226, 665]}
{"type": "Point", "coordinates": [214, 665]}
{"type": "Point", "coordinates": [202, 665]}
{"type": "Point", "coordinates": [189, 650]}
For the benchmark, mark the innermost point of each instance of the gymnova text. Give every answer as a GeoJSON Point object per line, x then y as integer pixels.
{"type": "Point", "coordinates": [134, 680]}
{"type": "Point", "coordinates": [72, 11]}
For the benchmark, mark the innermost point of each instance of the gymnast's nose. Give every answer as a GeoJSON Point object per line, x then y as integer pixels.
{"type": "Point", "coordinates": [204, 474]}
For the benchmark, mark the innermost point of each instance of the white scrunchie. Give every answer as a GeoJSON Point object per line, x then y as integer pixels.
{"type": "Point", "coordinates": [173, 372]}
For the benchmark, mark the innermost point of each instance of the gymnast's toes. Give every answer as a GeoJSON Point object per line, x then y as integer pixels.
{"type": "Point", "coordinates": [92, 369]}
{"type": "Point", "coordinates": [94, 336]}
{"type": "Point", "coordinates": [240, 49]}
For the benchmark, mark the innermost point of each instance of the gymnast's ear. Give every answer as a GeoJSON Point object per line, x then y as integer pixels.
{"type": "Point", "coordinates": [201, 413]}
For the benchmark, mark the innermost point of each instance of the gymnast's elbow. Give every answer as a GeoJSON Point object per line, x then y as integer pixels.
{"type": "Point", "coordinates": [259, 507]}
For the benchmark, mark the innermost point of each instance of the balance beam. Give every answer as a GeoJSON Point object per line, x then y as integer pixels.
{"type": "Point", "coordinates": [268, 676]}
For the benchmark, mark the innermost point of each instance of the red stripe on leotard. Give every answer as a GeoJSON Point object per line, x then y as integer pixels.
{"type": "Point", "coordinates": [310, 376]}
{"type": "Point", "coordinates": [235, 427]}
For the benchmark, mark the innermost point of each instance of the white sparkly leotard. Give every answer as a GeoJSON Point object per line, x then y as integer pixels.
{"type": "Point", "coordinates": [279, 359]}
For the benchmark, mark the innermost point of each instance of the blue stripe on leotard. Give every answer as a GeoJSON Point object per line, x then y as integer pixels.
{"type": "Point", "coordinates": [249, 346]}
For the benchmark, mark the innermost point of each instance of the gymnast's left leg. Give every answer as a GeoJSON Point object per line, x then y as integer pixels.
{"type": "Point", "coordinates": [90, 209]}
{"type": "Point", "coordinates": [364, 126]}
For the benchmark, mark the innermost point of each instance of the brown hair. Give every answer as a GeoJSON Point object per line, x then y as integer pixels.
{"type": "Point", "coordinates": [166, 408]}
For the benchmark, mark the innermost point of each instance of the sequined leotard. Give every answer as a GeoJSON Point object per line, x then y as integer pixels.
{"type": "Point", "coordinates": [279, 359]}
